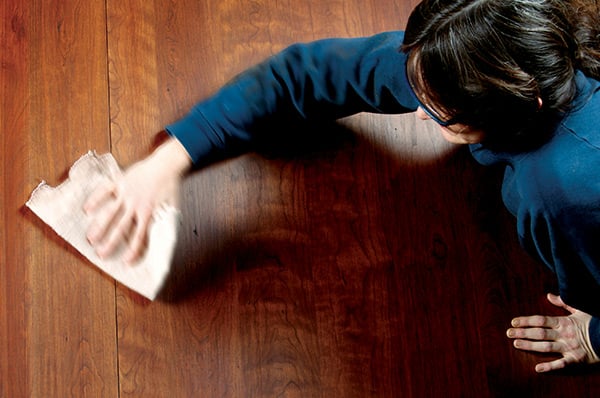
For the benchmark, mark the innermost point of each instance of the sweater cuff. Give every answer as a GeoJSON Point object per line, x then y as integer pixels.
{"type": "Point", "coordinates": [594, 333]}
{"type": "Point", "coordinates": [189, 131]}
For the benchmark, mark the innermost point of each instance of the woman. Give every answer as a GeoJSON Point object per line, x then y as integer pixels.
{"type": "Point", "coordinates": [516, 80]}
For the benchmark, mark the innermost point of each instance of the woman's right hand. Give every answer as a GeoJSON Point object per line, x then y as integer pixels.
{"type": "Point", "coordinates": [122, 210]}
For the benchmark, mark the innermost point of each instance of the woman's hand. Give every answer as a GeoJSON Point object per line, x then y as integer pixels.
{"type": "Point", "coordinates": [122, 210]}
{"type": "Point", "coordinates": [564, 335]}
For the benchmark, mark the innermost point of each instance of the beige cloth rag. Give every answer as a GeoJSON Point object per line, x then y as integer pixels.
{"type": "Point", "coordinates": [62, 209]}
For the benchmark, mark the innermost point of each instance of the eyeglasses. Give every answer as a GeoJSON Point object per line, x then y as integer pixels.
{"type": "Point", "coordinates": [429, 111]}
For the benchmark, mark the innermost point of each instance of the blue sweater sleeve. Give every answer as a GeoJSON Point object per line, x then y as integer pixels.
{"type": "Point", "coordinates": [326, 79]}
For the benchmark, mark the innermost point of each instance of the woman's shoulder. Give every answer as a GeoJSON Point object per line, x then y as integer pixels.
{"type": "Point", "coordinates": [567, 165]}
{"type": "Point", "coordinates": [563, 174]}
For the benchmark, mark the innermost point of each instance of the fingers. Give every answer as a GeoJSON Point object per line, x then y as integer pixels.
{"type": "Point", "coordinates": [538, 346]}
{"type": "Point", "coordinates": [541, 334]}
{"type": "Point", "coordinates": [117, 235]}
{"type": "Point", "coordinates": [116, 223]}
{"type": "Point", "coordinates": [550, 366]}
{"type": "Point", "coordinates": [138, 240]}
{"type": "Point", "coordinates": [103, 221]}
{"type": "Point", "coordinates": [539, 321]}
{"type": "Point", "coordinates": [563, 335]}
{"type": "Point", "coordinates": [542, 341]}
{"type": "Point", "coordinates": [98, 197]}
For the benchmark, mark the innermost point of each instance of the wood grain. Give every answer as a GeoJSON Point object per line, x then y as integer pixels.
{"type": "Point", "coordinates": [15, 296]}
{"type": "Point", "coordinates": [58, 328]}
{"type": "Point", "coordinates": [380, 263]}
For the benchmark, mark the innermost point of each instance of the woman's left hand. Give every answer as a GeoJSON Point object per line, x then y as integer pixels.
{"type": "Point", "coordinates": [567, 336]}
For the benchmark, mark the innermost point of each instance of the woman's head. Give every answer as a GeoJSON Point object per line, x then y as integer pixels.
{"type": "Point", "coordinates": [505, 68]}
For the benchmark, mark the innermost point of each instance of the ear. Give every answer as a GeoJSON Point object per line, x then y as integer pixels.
{"type": "Point", "coordinates": [540, 102]}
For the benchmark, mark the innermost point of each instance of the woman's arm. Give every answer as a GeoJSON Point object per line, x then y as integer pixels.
{"type": "Point", "coordinates": [322, 80]}
{"type": "Point", "coordinates": [326, 79]}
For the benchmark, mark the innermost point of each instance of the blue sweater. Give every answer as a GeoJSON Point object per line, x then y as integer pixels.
{"type": "Point", "coordinates": [554, 191]}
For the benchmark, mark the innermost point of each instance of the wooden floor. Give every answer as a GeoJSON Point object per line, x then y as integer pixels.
{"type": "Point", "coordinates": [379, 265]}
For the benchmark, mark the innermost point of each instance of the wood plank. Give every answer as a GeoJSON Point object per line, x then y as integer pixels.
{"type": "Point", "coordinates": [58, 312]}
{"type": "Point", "coordinates": [15, 297]}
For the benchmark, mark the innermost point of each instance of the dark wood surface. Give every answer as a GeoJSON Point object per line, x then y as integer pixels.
{"type": "Point", "coordinates": [379, 264]}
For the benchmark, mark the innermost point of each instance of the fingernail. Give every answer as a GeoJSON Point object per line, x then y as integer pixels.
{"type": "Point", "coordinates": [510, 333]}
{"type": "Point", "coordinates": [515, 322]}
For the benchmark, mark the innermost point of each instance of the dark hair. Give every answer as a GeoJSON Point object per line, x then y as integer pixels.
{"type": "Point", "coordinates": [489, 62]}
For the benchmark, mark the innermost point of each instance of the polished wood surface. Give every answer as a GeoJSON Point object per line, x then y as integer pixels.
{"type": "Point", "coordinates": [378, 264]}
